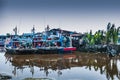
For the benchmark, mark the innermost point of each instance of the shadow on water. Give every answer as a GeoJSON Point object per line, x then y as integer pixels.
{"type": "Point", "coordinates": [57, 62]}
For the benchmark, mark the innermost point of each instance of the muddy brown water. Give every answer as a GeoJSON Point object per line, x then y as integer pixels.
{"type": "Point", "coordinates": [70, 66]}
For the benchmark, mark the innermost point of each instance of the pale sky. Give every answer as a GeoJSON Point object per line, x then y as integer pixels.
{"type": "Point", "coordinates": [73, 15]}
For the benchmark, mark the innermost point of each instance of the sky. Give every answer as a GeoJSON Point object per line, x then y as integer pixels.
{"type": "Point", "coordinates": [74, 15]}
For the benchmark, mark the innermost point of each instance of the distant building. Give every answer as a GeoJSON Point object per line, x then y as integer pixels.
{"type": "Point", "coordinates": [64, 32]}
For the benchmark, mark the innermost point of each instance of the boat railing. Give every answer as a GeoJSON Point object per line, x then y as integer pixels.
{"type": "Point", "coordinates": [46, 40]}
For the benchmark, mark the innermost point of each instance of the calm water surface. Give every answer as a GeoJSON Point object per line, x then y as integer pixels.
{"type": "Point", "coordinates": [75, 66]}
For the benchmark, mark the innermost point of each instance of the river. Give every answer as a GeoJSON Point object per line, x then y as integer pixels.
{"type": "Point", "coordinates": [73, 66]}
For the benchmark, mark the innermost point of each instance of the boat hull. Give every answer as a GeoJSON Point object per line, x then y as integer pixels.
{"type": "Point", "coordinates": [39, 50]}
{"type": "Point", "coordinates": [20, 51]}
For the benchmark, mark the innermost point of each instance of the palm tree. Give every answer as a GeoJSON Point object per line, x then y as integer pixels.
{"type": "Point", "coordinates": [108, 26]}
{"type": "Point", "coordinates": [108, 33]}
{"type": "Point", "coordinates": [89, 35]}
{"type": "Point", "coordinates": [112, 33]}
{"type": "Point", "coordinates": [91, 38]}
{"type": "Point", "coordinates": [98, 37]}
{"type": "Point", "coordinates": [118, 29]}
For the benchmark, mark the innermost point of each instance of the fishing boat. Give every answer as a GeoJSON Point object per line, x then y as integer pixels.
{"type": "Point", "coordinates": [41, 43]}
{"type": "Point", "coordinates": [52, 42]}
{"type": "Point", "coordinates": [2, 43]}
{"type": "Point", "coordinates": [19, 44]}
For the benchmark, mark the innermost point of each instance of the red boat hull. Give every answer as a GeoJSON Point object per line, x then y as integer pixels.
{"type": "Point", "coordinates": [70, 49]}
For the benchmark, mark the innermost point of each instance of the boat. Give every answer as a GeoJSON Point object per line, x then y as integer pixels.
{"type": "Point", "coordinates": [41, 43]}
{"type": "Point", "coordinates": [2, 43]}
{"type": "Point", "coordinates": [53, 42]}
{"type": "Point", "coordinates": [19, 45]}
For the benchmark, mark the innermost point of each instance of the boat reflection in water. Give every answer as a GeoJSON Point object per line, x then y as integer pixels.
{"type": "Point", "coordinates": [58, 62]}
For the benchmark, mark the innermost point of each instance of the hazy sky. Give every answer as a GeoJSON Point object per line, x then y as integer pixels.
{"type": "Point", "coordinates": [74, 15]}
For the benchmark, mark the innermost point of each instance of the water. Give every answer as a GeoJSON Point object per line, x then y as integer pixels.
{"type": "Point", "coordinates": [75, 66]}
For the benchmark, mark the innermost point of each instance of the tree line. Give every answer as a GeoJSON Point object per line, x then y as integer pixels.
{"type": "Point", "coordinates": [110, 36]}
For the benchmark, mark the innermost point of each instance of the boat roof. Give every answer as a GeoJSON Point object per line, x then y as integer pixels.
{"type": "Point", "coordinates": [27, 34]}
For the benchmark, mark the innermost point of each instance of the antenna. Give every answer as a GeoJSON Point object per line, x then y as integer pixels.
{"type": "Point", "coordinates": [44, 22]}
{"type": "Point", "coordinates": [20, 21]}
{"type": "Point", "coordinates": [59, 24]}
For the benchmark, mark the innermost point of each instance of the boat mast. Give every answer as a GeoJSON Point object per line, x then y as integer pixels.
{"type": "Point", "coordinates": [33, 30]}
{"type": "Point", "coordinates": [15, 30]}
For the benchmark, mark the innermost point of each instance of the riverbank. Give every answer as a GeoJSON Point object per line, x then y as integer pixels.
{"type": "Point", "coordinates": [111, 50]}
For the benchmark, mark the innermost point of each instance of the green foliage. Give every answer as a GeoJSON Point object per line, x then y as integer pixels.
{"type": "Point", "coordinates": [111, 35]}
{"type": "Point", "coordinates": [90, 38]}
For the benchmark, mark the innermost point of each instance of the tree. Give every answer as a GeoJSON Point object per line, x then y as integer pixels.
{"type": "Point", "coordinates": [118, 30]}
{"type": "Point", "coordinates": [112, 34]}
{"type": "Point", "coordinates": [98, 37]}
{"type": "Point", "coordinates": [108, 33]}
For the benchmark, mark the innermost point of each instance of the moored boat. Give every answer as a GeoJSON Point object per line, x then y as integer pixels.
{"type": "Point", "coordinates": [46, 42]}
{"type": "Point", "coordinates": [2, 43]}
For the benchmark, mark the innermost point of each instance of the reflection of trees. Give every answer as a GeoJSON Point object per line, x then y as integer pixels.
{"type": "Point", "coordinates": [112, 70]}
{"type": "Point", "coordinates": [57, 62]}
{"type": "Point", "coordinates": [103, 63]}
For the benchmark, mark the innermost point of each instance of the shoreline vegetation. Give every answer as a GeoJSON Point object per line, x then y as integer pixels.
{"type": "Point", "coordinates": [101, 41]}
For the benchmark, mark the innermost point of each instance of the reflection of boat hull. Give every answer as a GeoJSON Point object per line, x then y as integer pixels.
{"type": "Point", "coordinates": [2, 49]}
{"type": "Point", "coordinates": [40, 50]}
